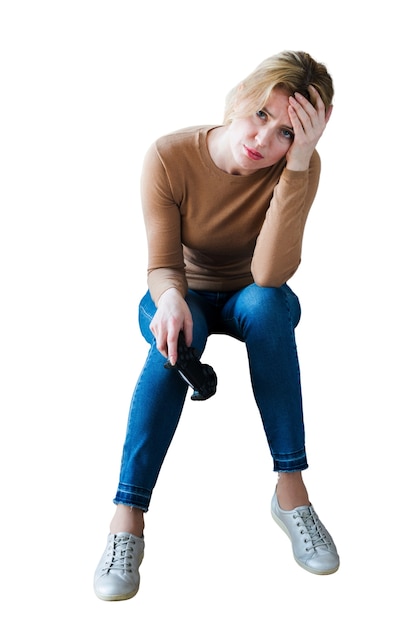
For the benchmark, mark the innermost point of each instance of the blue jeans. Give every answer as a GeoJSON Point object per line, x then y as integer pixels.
{"type": "Point", "coordinates": [262, 317]}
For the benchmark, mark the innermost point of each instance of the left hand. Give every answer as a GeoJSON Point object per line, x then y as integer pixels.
{"type": "Point", "coordinates": [309, 122]}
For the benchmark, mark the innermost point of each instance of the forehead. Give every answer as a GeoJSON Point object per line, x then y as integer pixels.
{"type": "Point", "coordinates": [277, 103]}
{"type": "Point", "coordinates": [278, 96]}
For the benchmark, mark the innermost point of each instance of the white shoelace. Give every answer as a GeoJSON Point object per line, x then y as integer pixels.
{"type": "Point", "coordinates": [314, 528]}
{"type": "Point", "coordinates": [119, 555]}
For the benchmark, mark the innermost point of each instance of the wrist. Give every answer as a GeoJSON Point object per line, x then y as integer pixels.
{"type": "Point", "coordinates": [299, 165]}
{"type": "Point", "coordinates": [171, 292]}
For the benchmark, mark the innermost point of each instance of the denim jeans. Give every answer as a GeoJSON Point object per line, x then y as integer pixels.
{"type": "Point", "coordinates": [262, 317]}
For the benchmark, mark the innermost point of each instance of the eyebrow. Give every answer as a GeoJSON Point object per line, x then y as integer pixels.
{"type": "Point", "coordinates": [273, 118]}
{"type": "Point", "coordinates": [268, 112]}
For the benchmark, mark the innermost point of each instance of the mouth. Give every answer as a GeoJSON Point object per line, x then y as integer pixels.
{"type": "Point", "coordinates": [252, 154]}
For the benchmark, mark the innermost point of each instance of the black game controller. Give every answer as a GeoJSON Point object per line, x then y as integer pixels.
{"type": "Point", "coordinates": [200, 377]}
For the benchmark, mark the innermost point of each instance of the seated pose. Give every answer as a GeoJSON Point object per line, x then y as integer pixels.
{"type": "Point", "coordinates": [225, 209]}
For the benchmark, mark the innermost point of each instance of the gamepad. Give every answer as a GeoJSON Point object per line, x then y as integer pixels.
{"type": "Point", "coordinates": [199, 376]}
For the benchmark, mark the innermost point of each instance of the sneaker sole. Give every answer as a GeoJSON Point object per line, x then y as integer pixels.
{"type": "Point", "coordinates": [126, 596]}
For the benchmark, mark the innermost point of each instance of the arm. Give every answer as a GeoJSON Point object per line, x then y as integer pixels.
{"type": "Point", "coordinates": [277, 253]}
{"type": "Point", "coordinates": [278, 249]}
{"type": "Point", "coordinates": [166, 277]}
{"type": "Point", "coordinates": [163, 228]}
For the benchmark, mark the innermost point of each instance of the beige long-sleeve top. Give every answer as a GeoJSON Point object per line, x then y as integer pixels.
{"type": "Point", "coordinates": [210, 230]}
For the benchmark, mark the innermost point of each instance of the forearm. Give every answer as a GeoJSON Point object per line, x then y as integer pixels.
{"type": "Point", "coordinates": [163, 229]}
{"type": "Point", "coordinates": [162, 279]}
{"type": "Point", "coordinates": [277, 253]}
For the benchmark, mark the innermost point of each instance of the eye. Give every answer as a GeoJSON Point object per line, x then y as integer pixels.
{"type": "Point", "coordinates": [287, 134]}
{"type": "Point", "coordinates": [262, 115]}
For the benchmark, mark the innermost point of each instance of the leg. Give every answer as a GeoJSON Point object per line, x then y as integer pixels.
{"type": "Point", "coordinates": [291, 491]}
{"type": "Point", "coordinates": [155, 410]}
{"type": "Point", "coordinates": [128, 519]}
{"type": "Point", "coordinates": [153, 419]}
{"type": "Point", "coordinates": [265, 319]}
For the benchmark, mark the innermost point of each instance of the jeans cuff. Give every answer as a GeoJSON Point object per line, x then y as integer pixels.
{"type": "Point", "coordinates": [294, 462]}
{"type": "Point", "coordinates": [129, 495]}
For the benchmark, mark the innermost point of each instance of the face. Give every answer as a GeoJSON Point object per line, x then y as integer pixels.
{"type": "Point", "coordinates": [261, 139]}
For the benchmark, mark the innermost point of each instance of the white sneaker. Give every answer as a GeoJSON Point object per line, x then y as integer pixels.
{"type": "Point", "coordinates": [313, 547]}
{"type": "Point", "coordinates": [117, 575]}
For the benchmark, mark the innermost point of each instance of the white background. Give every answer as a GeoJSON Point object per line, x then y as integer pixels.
{"type": "Point", "coordinates": [86, 86]}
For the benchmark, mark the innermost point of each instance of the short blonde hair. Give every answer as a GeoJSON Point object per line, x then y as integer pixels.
{"type": "Point", "coordinates": [290, 71]}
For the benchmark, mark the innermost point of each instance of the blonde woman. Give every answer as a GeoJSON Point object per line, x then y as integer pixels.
{"type": "Point", "coordinates": [225, 209]}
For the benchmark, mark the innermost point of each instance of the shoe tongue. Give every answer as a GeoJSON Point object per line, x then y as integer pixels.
{"type": "Point", "coordinates": [121, 538]}
{"type": "Point", "coordinates": [304, 511]}
{"type": "Point", "coordinates": [306, 515]}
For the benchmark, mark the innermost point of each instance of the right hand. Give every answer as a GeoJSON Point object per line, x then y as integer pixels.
{"type": "Point", "coordinates": [309, 122]}
{"type": "Point", "coordinates": [172, 316]}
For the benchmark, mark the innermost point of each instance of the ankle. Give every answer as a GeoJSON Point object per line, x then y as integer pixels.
{"type": "Point", "coordinates": [128, 519]}
{"type": "Point", "coordinates": [291, 491]}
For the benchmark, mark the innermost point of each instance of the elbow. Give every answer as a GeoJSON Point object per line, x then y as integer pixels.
{"type": "Point", "coordinates": [260, 282]}
{"type": "Point", "coordinates": [263, 277]}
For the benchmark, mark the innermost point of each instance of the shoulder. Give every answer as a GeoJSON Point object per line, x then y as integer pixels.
{"type": "Point", "coordinates": [175, 157]}
{"type": "Point", "coordinates": [183, 150]}
{"type": "Point", "coordinates": [181, 139]}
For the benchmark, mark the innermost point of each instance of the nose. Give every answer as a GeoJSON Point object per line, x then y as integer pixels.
{"type": "Point", "coordinates": [262, 137]}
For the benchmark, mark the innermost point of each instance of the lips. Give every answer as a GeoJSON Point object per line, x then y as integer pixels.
{"type": "Point", "coordinates": [253, 154]}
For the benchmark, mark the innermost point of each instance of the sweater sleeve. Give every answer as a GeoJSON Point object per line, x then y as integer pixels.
{"type": "Point", "coordinates": [163, 228]}
{"type": "Point", "coordinates": [277, 253]}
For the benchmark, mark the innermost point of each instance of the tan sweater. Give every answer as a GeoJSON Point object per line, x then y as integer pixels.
{"type": "Point", "coordinates": [210, 230]}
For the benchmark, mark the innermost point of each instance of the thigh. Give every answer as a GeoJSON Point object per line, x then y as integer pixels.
{"type": "Point", "coordinates": [203, 314]}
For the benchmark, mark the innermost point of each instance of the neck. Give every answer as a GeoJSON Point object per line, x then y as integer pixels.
{"type": "Point", "coordinates": [218, 148]}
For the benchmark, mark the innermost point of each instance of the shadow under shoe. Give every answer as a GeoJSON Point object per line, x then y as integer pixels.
{"type": "Point", "coordinates": [313, 547]}
{"type": "Point", "coordinates": [117, 576]}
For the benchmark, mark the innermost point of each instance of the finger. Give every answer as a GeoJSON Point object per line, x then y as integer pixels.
{"type": "Point", "coordinates": [314, 109]}
{"type": "Point", "coordinates": [295, 120]}
{"type": "Point", "coordinates": [313, 119]}
{"type": "Point", "coordinates": [162, 347]}
{"type": "Point", "coordinates": [188, 331]}
{"type": "Point", "coordinates": [302, 105]}
{"type": "Point", "coordinates": [304, 102]}
{"type": "Point", "coordinates": [304, 118]}
{"type": "Point", "coordinates": [316, 99]}
{"type": "Point", "coordinates": [323, 113]}
{"type": "Point", "coordinates": [172, 343]}
{"type": "Point", "coordinates": [160, 339]}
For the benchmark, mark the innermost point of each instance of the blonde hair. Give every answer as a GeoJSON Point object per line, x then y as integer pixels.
{"type": "Point", "coordinates": [289, 71]}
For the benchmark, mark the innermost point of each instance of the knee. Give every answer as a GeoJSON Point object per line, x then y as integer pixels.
{"type": "Point", "coordinates": [272, 305]}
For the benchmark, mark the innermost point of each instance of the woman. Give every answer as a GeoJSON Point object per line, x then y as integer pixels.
{"type": "Point", "coordinates": [225, 209]}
